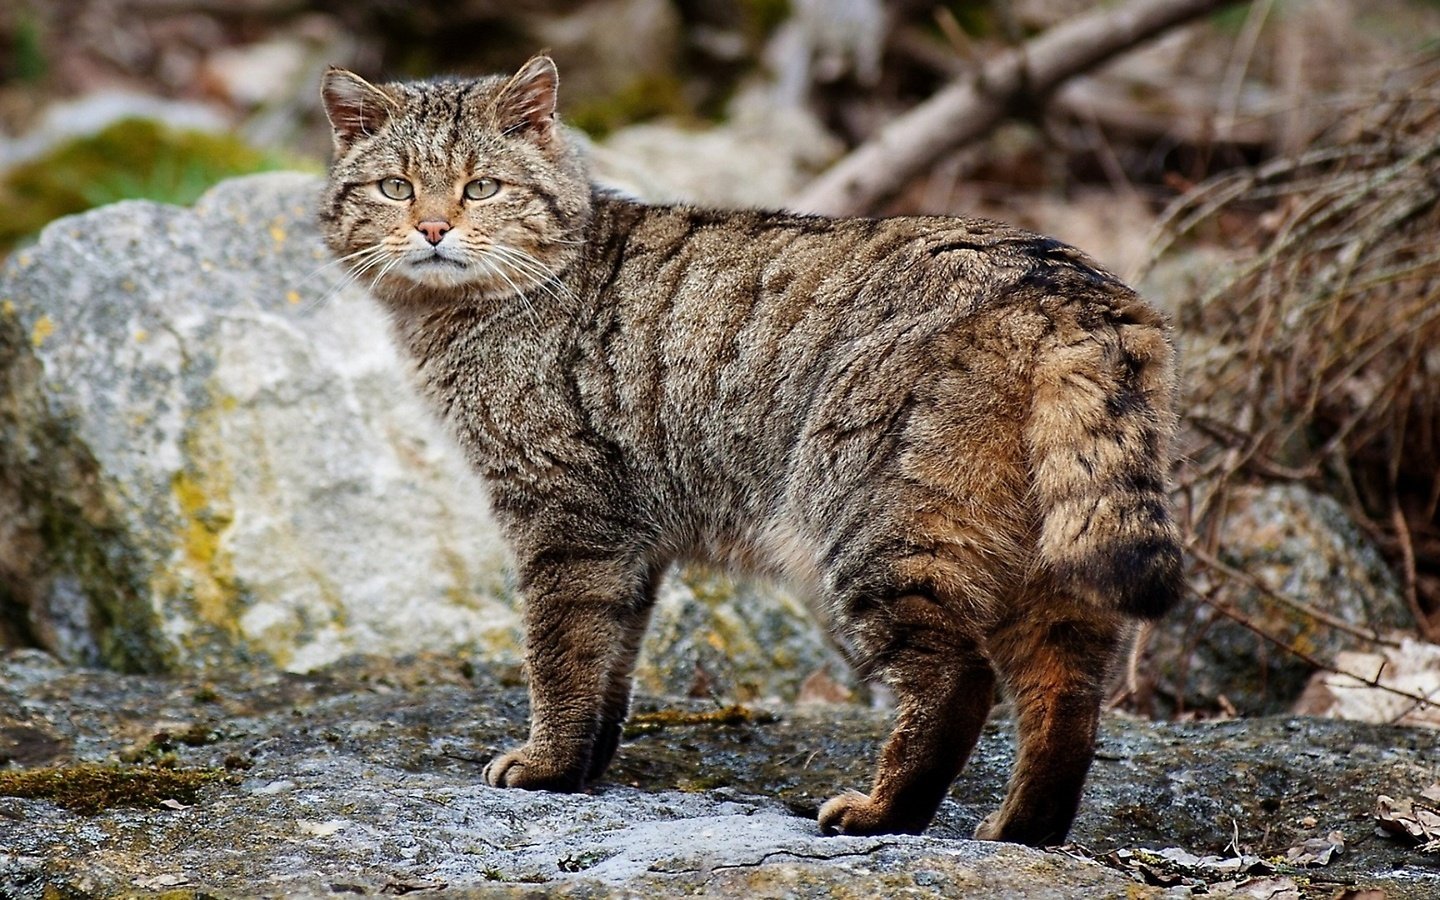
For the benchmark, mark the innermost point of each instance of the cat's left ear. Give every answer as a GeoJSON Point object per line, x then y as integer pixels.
{"type": "Point", "coordinates": [527, 102]}
{"type": "Point", "coordinates": [354, 106]}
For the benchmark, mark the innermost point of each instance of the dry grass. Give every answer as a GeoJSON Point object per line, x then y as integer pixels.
{"type": "Point", "coordinates": [1320, 348]}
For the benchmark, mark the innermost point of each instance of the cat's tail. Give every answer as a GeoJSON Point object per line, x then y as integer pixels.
{"type": "Point", "coordinates": [1099, 434]}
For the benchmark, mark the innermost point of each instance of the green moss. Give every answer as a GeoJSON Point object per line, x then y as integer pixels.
{"type": "Point", "coordinates": [27, 50]}
{"type": "Point", "coordinates": [975, 19]}
{"type": "Point", "coordinates": [764, 16]}
{"type": "Point", "coordinates": [650, 722]}
{"type": "Point", "coordinates": [647, 97]}
{"type": "Point", "coordinates": [131, 159]}
{"type": "Point", "coordinates": [90, 788]}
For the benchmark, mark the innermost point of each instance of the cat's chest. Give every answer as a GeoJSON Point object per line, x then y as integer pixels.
{"type": "Point", "coordinates": [500, 394]}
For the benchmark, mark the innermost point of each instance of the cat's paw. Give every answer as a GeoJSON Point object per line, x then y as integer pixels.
{"type": "Point", "coordinates": [526, 768]}
{"type": "Point", "coordinates": [989, 828]}
{"type": "Point", "coordinates": [853, 813]}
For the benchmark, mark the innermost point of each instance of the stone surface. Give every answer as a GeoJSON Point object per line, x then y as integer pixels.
{"type": "Point", "coordinates": [213, 459]}
{"type": "Point", "coordinates": [210, 454]}
{"type": "Point", "coordinates": [364, 779]}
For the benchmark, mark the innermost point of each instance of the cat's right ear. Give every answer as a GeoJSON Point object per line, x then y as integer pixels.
{"type": "Point", "coordinates": [527, 101]}
{"type": "Point", "coordinates": [354, 106]}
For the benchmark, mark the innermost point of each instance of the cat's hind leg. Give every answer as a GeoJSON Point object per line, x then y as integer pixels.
{"type": "Point", "coordinates": [944, 689]}
{"type": "Point", "coordinates": [580, 618]}
{"type": "Point", "coordinates": [1054, 661]}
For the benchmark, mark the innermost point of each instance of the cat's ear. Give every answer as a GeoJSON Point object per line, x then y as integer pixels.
{"type": "Point", "coordinates": [354, 106]}
{"type": "Point", "coordinates": [527, 102]}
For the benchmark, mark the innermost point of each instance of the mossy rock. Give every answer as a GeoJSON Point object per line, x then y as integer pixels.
{"type": "Point", "coordinates": [91, 788]}
{"type": "Point", "coordinates": [130, 159]}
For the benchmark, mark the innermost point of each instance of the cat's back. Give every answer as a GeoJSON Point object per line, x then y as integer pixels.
{"type": "Point", "coordinates": [734, 352]}
{"type": "Point", "coordinates": [680, 255]}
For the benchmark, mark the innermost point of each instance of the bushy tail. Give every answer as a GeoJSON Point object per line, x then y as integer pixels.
{"type": "Point", "coordinates": [1099, 436]}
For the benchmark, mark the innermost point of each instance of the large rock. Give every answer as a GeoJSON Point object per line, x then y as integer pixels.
{"type": "Point", "coordinates": [364, 779]}
{"type": "Point", "coordinates": [1292, 542]}
{"type": "Point", "coordinates": [760, 157]}
{"type": "Point", "coordinates": [210, 454]}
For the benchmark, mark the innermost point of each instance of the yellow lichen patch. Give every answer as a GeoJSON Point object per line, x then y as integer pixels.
{"type": "Point", "coordinates": [91, 788]}
{"type": "Point", "coordinates": [207, 569]}
{"type": "Point", "coordinates": [141, 335]}
{"type": "Point", "coordinates": [8, 308]}
{"type": "Point", "coordinates": [43, 328]}
{"type": "Point", "coordinates": [292, 297]}
{"type": "Point", "coordinates": [646, 723]}
{"type": "Point", "coordinates": [277, 231]}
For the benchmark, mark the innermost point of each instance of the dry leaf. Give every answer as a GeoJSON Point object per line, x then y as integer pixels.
{"type": "Point", "coordinates": [1361, 894]}
{"type": "Point", "coordinates": [1316, 851]}
{"type": "Point", "coordinates": [173, 804]}
{"type": "Point", "coordinates": [819, 687]}
{"type": "Point", "coordinates": [1268, 889]}
{"type": "Point", "coordinates": [1413, 667]}
{"type": "Point", "coordinates": [1408, 818]}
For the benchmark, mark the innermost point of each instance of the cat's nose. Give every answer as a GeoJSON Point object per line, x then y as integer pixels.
{"type": "Point", "coordinates": [433, 230]}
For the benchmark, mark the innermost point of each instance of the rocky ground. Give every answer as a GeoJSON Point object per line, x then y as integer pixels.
{"type": "Point", "coordinates": [364, 779]}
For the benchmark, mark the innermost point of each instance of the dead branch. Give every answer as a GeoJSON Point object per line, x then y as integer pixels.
{"type": "Point", "coordinates": [972, 105]}
{"type": "Point", "coordinates": [1209, 561]}
{"type": "Point", "coordinates": [1420, 701]}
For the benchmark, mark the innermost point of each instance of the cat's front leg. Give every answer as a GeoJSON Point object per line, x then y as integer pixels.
{"type": "Point", "coordinates": [578, 609]}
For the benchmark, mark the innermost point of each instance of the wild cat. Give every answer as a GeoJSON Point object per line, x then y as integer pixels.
{"type": "Point", "coordinates": [952, 434]}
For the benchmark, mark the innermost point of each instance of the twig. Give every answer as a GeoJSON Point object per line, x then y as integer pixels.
{"type": "Point", "coordinates": [1240, 619]}
{"type": "Point", "coordinates": [1365, 634]}
{"type": "Point", "coordinates": [970, 106]}
{"type": "Point", "coordinates": [1407, 558]}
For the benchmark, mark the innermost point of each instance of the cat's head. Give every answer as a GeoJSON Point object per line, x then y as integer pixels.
{"type": "Point", "coordinates": [465, 187]}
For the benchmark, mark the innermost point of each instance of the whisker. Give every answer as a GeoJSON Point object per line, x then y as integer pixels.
{"type": "Point", "coordinates": [529, 307]}
{"type": "Point", "coordinates": [369, 259]}
{"type": "Point", "coordinates": [527, 264]}
{"type": "Point", "coordinates": [361, 255]}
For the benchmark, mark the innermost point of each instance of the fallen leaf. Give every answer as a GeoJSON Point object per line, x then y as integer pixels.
{"type": "Point", "coordinates": [1411, 819]}
{"type": "Point", "coordinates": [820, 687]}
{"type": "Point", "coordinates": [1316, 851]}
{"type": "Point", "coordinates": [1268, 889]}
{"type": "Point", "coordinates": [172, 804]}
{"type": "Point", "coordinates": [1361, 894]}
{"type": "Point", "coordinates": [1412, 667]}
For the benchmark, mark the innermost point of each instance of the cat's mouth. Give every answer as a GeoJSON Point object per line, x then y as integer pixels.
{"type": "Point", "coordinates": [436, 259]}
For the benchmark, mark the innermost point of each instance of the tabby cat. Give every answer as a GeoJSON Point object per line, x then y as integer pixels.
{"type": "Point", "coordinates": [952, 434]}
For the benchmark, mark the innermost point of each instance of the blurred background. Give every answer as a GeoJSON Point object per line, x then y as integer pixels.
{"type": "Point", "coordinates": [1268, 173]}
{"type": "Point", "coordinates": [722, 100]}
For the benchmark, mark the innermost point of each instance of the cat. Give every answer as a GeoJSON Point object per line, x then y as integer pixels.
{"type": "Point", "coordinates": [952, 434]}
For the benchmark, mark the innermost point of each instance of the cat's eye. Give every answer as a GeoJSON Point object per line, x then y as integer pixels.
{"type": "Point", "coordinates": [481, 189]}
{"type": "Point", "coordinates": [396, 188]}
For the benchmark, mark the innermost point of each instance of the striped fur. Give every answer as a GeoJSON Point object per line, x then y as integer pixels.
{"type": "Point", "coordinates": [952, 434]}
